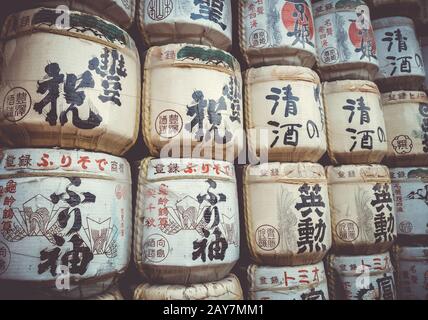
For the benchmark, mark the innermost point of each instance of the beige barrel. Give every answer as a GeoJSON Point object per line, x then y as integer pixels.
{"type": "Point", "coordinates": [306, 282]}
{"type": "Point", "coordinates": [120, 12]}
{"type": "Point", "coordinates": [198, 112]}
{"type": "Point", "coordinates": [362, 209]}
{"type": "Point", "coordinates": [345, 40]}
{"type": "Point", "coordinates": [55, 97]}
{"type": "Point", "coordinates": [66, 220]}
{"type": "Point", "coordinates": [287, 213]}
{"type": "Point", "coordinates": [361, 277]}
{"type": "Point", "coordinates": [228, 288]}
{"type": "Point", "coordinates": [401, 65]}
{"type": "Point", "coordinates": [187, 220]}
{"type": "Point", "coordinates": [424, 47]}
{"type": "Point", "coordinates": [355, 124]}
{"type": "Point", "coordinates": [277, 32]}
{"type": "Point", "coordinates": [285, 114]}
{"type": "Point", "coordinates": [162, 22]}
{"type": "Point", "coordinates": [406, 119]}
{"type": "Point", "coordinates": [410, 193]}
{"type": "Point", "coordinates": [413, 273]}
{"type": "Point", "coordinates": [113, 294]}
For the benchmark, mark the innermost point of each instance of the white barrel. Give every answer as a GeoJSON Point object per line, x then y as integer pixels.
{"type": "Point", "coordinates": [410, 192]}
{"type": "Point", "coordinates": [187, 220]}
{"type": "Point", "coordinates": [406, 119]}
{"type": "Point", "coordinates": [228, 288]}
{"type": "Point", "coordinates": [162, 22]}
{"type": "Point", "coordinates": [401, 65]}
{"type": "Point", "coordinates": [55, 97]}
{"type": "Point", "coordinates": [413, 273]}
{"type": "Point", "coordinates": [362, 209]}
{"type": "Point", "coordinates": [277, 32]}
{"type": "Point", "coordinates": [355, 123]}
{"type": "Point", "coordinates": [65, 220]}
{"type": "Point", "coordinates": [198, 112]}
{"type": "Point", "coordinates": [284, 106]}
{"type": "Point", "coordinates": [120, 12]}
{"type": "Point", "coordinates": [345, 40]}
{"type": "Point", "coordinates": [306, 282]}
{"type": "Point", "coordinates": [361, 277]}
{"type": "Point", "coordinates": [287, 213]}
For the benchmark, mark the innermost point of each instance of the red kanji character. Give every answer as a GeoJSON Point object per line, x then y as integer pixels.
{"type": "Point", "coordinates": [8, 213]}
{"type": "Point", "coordinates": [303, 275]}
{"type": "Point", "coordinates": [150, 208]}
{"type": "Point", "coordinates": [44, 161]}
{"type": "Point", "coordinates": [163, 222]}
{"type": "Point", "coordinates": [149, 222]}
{"type": "Point", "coordinates": [315, 272]}
{"type": "Point", "coordinates": [65, 161]}
{"type": "Point", "coordinates": [8, 201]}
{"type": "Point", "coordinates": [101, 163]}
{"type": "Point", "coordinates": [163, 201]}
{"type": "Point", "coordinates": [205, 168]}
{"type": "Point", "coordinates": [263, 280]}
{"type": "Point", "coordinates": [377, 264]}
{"type": "Point", "coordinates": [7, 225]}
{"type": "Point", "coordinates": [189, 168]}
{"type": "Point", "coordinates": [83, 161]}
{"type": "Point", "coordinates": [163, 189]}
{"type": "Point", "coordinates": [10, 187]}
{"type": "Point", "coordinates": [286, 278]}
{"type": "Point", "coordinates": [226, 170]}
{"type": "Point", "coordinates": [163, 211]}
{"type": "Point", "coordinates": [216, 168]}
{"type": "Point", "coordinates": [150, 193]}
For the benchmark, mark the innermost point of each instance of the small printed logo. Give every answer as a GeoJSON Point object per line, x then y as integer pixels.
{"type": "Point", "coordinates": [169, 124]}
{"type": "Point", "coordinates": [159, 10]}
{"type": "Point", "coordinates": [16, 104]}
{"type": "Point", "coordinates": [156, 248]}
{"type": "Point", "coordinates": [347, 230]}
{"type": "Point", "coordinates": [267, 237]}
{"type": "Point", "coordinates": [402, 144]}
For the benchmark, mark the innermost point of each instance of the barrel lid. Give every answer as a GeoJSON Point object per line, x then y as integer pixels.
{"type": "Point", "coordinates": [285, 172]}
{"type": "Point", "coordinates": [193, 55]}
{"type": "Point", "coordinates": [392, 22]}
{"type": "Point", "coordinates": [413, 253]}
{"type": "Point", "coordinates": [75, 24]}
{"type": "Point", "coordinates": [62, 163]}
{"type": "Point", "coordinates": [409, 174]}
{"type": "Point", "coordinates": [330, 6]}
{"type": "Point", "coordinates": [293, 274]}
{"type": "Point", "coordinates": [355, 265]}
{"type": "Point", "coordinates": [288, 73]}
{"type": "Point", "coordinates": [396, 97]}
{"type": "Point", "coordinates": [228, 287]}
{"type": "Point", "coordinates": [358, 173]}
{"type": "Point", "coordinates": [350, 86]}
{"type": "Point", "coordinates": [186, 168]}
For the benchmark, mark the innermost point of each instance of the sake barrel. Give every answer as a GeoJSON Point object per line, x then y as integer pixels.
{"type": "Point", "coordinates": [306, 282]}
{"type": "Point", "coordinates": [361, 277]}
{"type": "Point", "coordinates": [410, 193]}
{"type": "Point", "coordinates": [413, 273]}
{"type": "Point", "coordinates": [198, 112]}
{"type": "Point", "coordinates": [53, 97]}
{"type": "Point", "coordinates": [277, 32]}
{"type": "Point", "coordinates": [284, 105]}
{"type": "Point", "coordinates": [228, 288]}
{"type": "Point", "coordinates": [424, 47]}
{"type": "Point", "coordinates": [355, 123]}
{"type": "Point", "coordinates": [187, 220]}
{"type": "Point", "coordinates": [117, 11]}
{"type": "Point", "coordinates": [362, 209]}
{"type": "Point", "coordinates": [287, 213]}
{"type": "Point", "coordinates": [65, 220]}
{"type": "Point", "coordinates": [345, 40]}
{"type": "Point", "coordinates": [186, 21]}
{"type": "Point", "coordinates": [401, 65]}
{"type": "Point", "coordinates": [406, 119]}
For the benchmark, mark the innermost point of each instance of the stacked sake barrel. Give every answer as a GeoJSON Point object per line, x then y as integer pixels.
{"type": "Point", "coordinates": [401, 79]}
{"type": "Point", "coordinates": [286, 205]}
{"type": "Point", "coordinates": [362, 209]}
{"type": "Point", "coordinates": [66, 214]}
{"type": "Point", "coordinates": [186, 235]}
